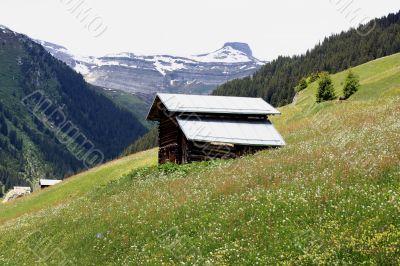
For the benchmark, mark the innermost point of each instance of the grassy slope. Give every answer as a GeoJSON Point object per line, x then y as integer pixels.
{"type": "Point", "coordinates": [331, 196]}
{"type": "Point", "coordinates": [76, 186]}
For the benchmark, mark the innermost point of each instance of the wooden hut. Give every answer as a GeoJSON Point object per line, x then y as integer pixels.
{"type": "Point", "coordinates": [199, 127]}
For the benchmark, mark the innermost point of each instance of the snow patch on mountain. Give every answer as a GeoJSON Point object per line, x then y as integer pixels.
{"type": "Point", "coordinates": [120, 55]}
{"type": "Point", "coordinates": [3, 28]}
{"type": "Point", "coordinates": [82, 69]}
{"type": "Point", "coordinates": [147, 74]}
{"type": "Point", "coordinates": [54, 47]}
{"type": "Point", "coordinates": [223, 55]}
{"type": "Point", "coordinates": [167, 64]}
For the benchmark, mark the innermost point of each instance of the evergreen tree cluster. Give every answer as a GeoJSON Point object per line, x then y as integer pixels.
{"type": "Point", "coordinates": [326, 89]}
{"type": "Point", "coordinates": [148, 141]}
{"type": "Point", "coordinates": [111, 128]}
{"type": "Point", "coordinates": [275, 82]}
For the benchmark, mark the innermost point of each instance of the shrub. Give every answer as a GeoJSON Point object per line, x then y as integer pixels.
{"type": "Point", "coordinates": [326, 91]}
{"type": "Point", "coordinates": [313, 77]}
{"type": "Point", "coordinates": [351, 85]}
{"type": "Point", "coordinates": [302, 85]}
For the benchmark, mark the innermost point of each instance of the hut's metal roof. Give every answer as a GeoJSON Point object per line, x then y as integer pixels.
{"type": "Point", "coordinates": [181, 103]}
{"type": "Point", "coordinates": [49, 182]}
{"type": "Point", "coordinates": [244, 132]}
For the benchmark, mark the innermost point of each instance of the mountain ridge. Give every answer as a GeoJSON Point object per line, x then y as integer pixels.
{"type": "Point", "coordinates": [240, 46]}
{"type": "Point", "coordinates": [148, 74]}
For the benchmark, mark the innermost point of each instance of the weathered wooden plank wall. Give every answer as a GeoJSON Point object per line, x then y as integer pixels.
{"type": "Point", "coordinates": [175, 148]}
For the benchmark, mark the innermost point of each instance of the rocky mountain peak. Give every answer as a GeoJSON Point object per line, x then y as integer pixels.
{"type": "Point", "coordinates": [240, 46]}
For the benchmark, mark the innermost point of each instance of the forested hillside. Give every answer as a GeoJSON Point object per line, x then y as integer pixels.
{"type": "Point", "coordinates": [36, 91]}
{"type": "Point", "coordinates": [275, 81]}
{"type": "Point", "coordinates": [146, 142]}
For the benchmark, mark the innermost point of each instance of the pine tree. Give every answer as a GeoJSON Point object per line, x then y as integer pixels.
{"type": "Point", "coordinates": [3, 126]}
{"type": "Point", "coordinates": [351, 85]}
{"type": "Point", "coordinates": [13, 137]}
{"type": "Point", "coordinates": [326, 91]}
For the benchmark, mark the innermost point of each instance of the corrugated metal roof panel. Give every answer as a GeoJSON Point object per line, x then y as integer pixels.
{"type": "Point", "coordinates": [245, 132]}
{"type": "Point", "coordinates": [216, 104]}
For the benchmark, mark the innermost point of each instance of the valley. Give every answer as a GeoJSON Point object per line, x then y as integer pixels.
{"type": "Point", "coordinates": [41, 97]}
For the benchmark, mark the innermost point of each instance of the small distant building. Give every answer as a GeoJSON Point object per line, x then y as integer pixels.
{"type": "Point", "coordinates": [48, 182]}
{"type": "Point", "coordinates": [26, 189]}
{"type": "Point", "coordinates": [17, 192]}
{"type": "Point", "coordinates": [198, 127]}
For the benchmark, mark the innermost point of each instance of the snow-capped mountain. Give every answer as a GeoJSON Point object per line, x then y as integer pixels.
{"type": "Point", "coordinates": [162, 73]}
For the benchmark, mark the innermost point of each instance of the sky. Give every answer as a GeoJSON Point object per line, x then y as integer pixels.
{"type": "Point", "coordinates": [187, 27]}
